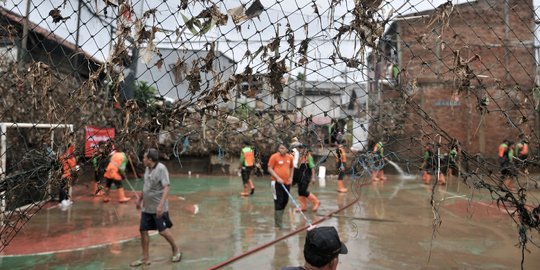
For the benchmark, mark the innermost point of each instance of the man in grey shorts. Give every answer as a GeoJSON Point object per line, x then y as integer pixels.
{"type": "Point", "coordinates": [153, 201]}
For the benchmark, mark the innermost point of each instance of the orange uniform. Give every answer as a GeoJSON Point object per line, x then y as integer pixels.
{"type": "Point", "coordinates": [247, 157]}
{"type": "Point", "coordinates": [282, 166]}
{"type": "Point", "coordinates": [68, 162]}
{"type": "Point", "coordinates": [116, 167]}
{"type": "Point", "coordinates": [503, 148]}
{"type": "Point", "coordinates": [341, 155]}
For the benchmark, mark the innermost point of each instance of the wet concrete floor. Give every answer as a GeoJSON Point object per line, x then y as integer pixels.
{"type": "Point", "coordinates": [390, 227]}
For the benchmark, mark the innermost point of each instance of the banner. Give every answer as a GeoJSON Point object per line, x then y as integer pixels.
{"type": "Point", "coordinates": [95, 135]}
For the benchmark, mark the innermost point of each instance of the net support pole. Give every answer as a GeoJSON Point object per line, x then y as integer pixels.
{"type": "Point", "coordinates": [3, 150]}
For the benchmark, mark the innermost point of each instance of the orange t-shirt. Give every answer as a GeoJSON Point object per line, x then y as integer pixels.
{"type": "Point", "coordinates": [282, 166]}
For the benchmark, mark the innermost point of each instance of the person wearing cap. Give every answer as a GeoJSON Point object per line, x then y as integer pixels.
{"type": "Point", "coordinates": [280, 167]}
{"type": "Point", "coordinates": [321, 250]}
{"type": "Point", "coordinates": [306, 172]}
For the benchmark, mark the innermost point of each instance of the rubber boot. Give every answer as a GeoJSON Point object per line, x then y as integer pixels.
{"type": "Point", "coordinates": [95, 190]}
{"type": "Point", "coordinates": [278, 218]}
{"type": "Point", "coordinates": [303, 202]}
{"type": "Point", "coordinates": [245, 192]}
{"type": "Point", "coordinates": [509, 184]}
{"type": "Point", "coordinates": [106, 198]}
{"type": "Point", "coordinates": [375, 177]}
{"type": "Point", "coordinates": [313, 199]}
{"type": "Point", "coordinates": [122, 196]}
{"type": "Point", "coordinates": [426, 178]}
{"type": "Point", "coordinates": [341, 187]}
{"type": "Point", "coordinates": [252, 187]}
{"type": "Point", "coordinates": [442, 179]}
{"type": "Point", "coordinates": [381, 176]}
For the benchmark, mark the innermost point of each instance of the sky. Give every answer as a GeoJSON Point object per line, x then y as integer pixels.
{"type": "Point", "coordinates": [95, 32]}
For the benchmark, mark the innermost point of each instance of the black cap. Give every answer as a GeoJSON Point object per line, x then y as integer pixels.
{"type": "Point", "coordinates": [322, 246]}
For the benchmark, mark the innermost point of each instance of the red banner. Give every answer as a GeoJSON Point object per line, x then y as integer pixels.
{"type": "Point", "coordinates": [95, 135]}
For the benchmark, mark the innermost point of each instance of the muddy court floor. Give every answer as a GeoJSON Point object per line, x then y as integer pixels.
{"type": "Point", "coordinates": [388, 226]}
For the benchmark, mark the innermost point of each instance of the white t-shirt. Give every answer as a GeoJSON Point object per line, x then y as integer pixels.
{"type": "Point", "coordinates": [296, 157]}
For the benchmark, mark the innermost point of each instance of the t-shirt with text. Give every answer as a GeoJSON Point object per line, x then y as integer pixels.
{"type": "Point", "coordinates": [282, 166]}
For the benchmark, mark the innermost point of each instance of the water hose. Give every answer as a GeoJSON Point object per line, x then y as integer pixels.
{"type": "Point", "coordinates": [297, 205]}
{"type": "Point", "coordinates": [261, 247]}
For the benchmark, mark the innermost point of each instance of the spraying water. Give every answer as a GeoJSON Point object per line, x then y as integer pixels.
{"type": "Point", "coordinates": [402, 174]}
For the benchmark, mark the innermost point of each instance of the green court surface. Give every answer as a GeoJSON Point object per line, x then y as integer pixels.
{"type": "Point", "coordinates": [389, 227]}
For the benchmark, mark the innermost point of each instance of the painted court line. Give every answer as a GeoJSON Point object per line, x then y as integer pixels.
{"type": "Point", "coordinates": [465, 197]}
{"type": "Point", "coordinates": [73, 249]}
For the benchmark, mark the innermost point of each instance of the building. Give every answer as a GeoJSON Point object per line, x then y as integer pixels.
{"type": "Point", "coordinates": [471, 72]}
{"type": "Point", "coordinates": [325, 108]}
{"type": "Point", "coordinates": [172, 76]}
{"type": "Point", "coordinates": [41, 45]}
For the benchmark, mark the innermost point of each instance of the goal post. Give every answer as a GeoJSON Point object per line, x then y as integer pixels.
{"type": "Point", "coordinates": [3, 140]}
{"type": "Point", "coordinates": [4, 126]}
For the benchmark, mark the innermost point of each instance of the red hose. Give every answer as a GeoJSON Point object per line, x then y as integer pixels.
{"type": "Point", "coordinates": [325, 217]}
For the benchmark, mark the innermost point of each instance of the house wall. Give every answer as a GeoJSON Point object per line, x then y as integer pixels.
{"type": "Point", "coordinates": [475, 28]}
{"type": "Point", "coordinates": [318, 105]}
{"type": "Point", "coordinates": [9, 53]}
{"type": "Point", "coordinates": [506, 69]}
{"type": "Point", "coordinates": [164, 78]}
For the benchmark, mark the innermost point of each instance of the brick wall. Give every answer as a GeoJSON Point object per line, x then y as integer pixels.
{"type": "Point", "coordinates": [473, 29]}
{"type": "Point", "coordinates": [428, 60]}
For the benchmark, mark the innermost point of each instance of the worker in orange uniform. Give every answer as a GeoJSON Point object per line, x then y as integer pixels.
{"type": "Point", "coordinates": [378, 158]}
{"type": "Point", "coordinates": [341, 160]}
{"type": "Point", "coordinates": [100, 161]}
{"type": "Point", "coordinates": [430, 166]}
{"type": "Point", "coordinates": [247, 161]}
{"type": "Point", "coordinates": [506, 156]}
{"type": "Point", "coordinates": [522, 152]}
{"type": "Point", "coordinates": [115, 173]}
{"type": "Point", "coordinates": [69, 174]}
{"type": "Point", "coordinates": [280, 167]}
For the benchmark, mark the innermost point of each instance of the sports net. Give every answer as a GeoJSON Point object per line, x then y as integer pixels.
{"type": "Point", "coordinates": [200, 77]}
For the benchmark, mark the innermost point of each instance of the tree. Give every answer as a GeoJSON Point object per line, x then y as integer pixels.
{"type": "Point", "coordinates": [144, 94]}
{"type": "Point", "coordinates": [301, 76]}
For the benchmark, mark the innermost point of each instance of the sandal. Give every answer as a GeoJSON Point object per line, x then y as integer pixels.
{"type": "Point", "coordinates": [139, 262]}
{"type": "Point", "coordinates": [177, 257]}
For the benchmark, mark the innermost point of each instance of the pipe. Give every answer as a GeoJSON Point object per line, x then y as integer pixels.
{"type": "Point", "coordinates": [325, 217]}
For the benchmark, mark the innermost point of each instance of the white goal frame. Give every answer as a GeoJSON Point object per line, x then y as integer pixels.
{"type": "Point", "coordinates": [3, 147]}
{"type": "Point", "coordinates": [3, 138]}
